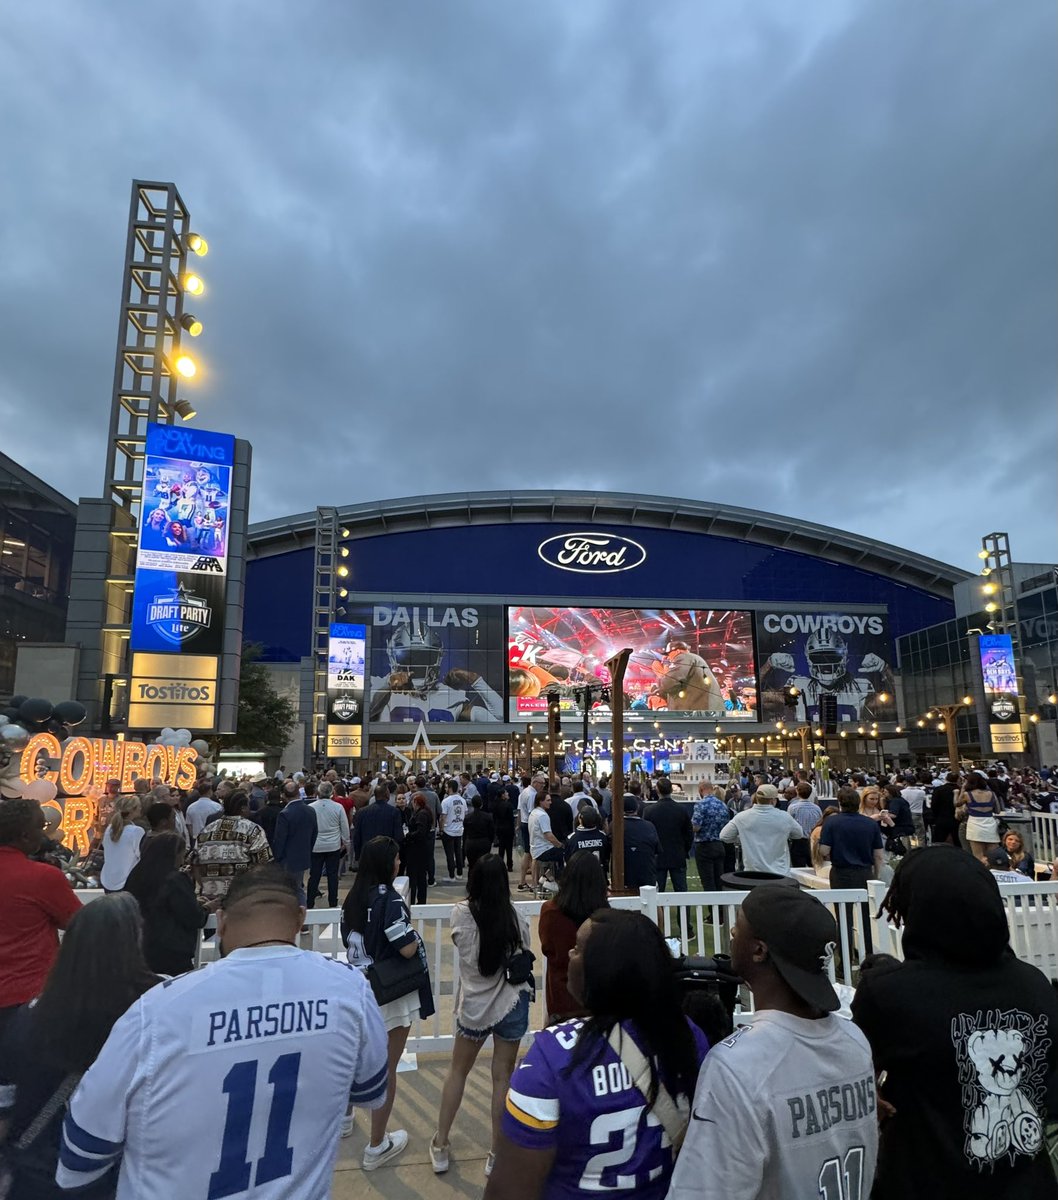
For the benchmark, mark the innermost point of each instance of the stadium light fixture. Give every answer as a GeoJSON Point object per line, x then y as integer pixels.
{"type": "Point", "coordinates": [185, 366]}
{"type": "Point", "coordinates": [197, 244]}
{"type": "Point", "coordinates": [193, 284]}
{"type": "Point", "coordinates": [185, 410]}
{"type": "Point", "coordinates": [191, 323]}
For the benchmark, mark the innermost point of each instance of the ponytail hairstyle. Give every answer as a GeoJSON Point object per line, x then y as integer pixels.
{"type": "Point", "coordinates": [126, 811]}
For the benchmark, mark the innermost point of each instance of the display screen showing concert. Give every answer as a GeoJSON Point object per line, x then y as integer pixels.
{"type": "Point", "coordinates": [691, 661]}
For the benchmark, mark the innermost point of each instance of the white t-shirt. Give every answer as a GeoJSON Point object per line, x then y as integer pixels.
{"type": "Point", "coordinates": [200, 812]}
{"type": "Point", "coordinates": [253, 1058]}
{"type": "Point", "coordinates": [453, 809]}
{"type": "Point", "coordinates": [784, 1109]}
{"type": "Point", "coordinates": [764, 833]}
{"type": "Point", "coordinates": [526, 801]}
{"type": "Point", "coordinates": [120, 857]}
{"type": "Point", "coordinates": [916, 799]}
{"type": "Point", "coordinates": [539, 825]}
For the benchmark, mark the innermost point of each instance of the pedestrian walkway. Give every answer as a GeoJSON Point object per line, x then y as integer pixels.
{"type": "Point", "coordinates": [416, 1107]}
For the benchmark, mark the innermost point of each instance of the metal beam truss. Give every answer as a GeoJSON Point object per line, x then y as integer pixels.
{"type": "Point", "coordinates": [144, 390]}
{"type": "Point", "coordinates": [325, 581]}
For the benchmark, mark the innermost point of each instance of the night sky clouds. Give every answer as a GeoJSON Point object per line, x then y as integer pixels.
{"type": "Point", "coordinates": [798, 257]}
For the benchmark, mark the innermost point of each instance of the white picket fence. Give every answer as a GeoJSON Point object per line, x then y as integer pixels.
{"type": "Point", "coordinates": [1044, 837]}
{"type": "Point", "coordinates": [1032, 917]}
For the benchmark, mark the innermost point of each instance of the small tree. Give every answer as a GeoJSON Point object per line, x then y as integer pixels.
{"type": "Point", "coordinates": [266, 719]}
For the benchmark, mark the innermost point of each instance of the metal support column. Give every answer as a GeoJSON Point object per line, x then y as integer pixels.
{"type": "Point", "coordinates": [323, 609]}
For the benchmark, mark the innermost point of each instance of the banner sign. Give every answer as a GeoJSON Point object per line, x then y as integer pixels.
{"type": "Point", "coordinates": [178, 690]}
{"type": "Point", "coordinates": [181, 564]}
{"type": "Point", "coordinates": [435, 662]}
{"type": "Point", "coordinates": [1001, 693]}
{"type": "Point", "coordinates": [697, 662]}
{"type": "Point", "coordinates": [845, 655]}
{"type": "Point", "coordinates": [346, 652]}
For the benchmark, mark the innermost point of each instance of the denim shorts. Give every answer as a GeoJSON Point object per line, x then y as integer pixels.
{"type": "Point", "coordinates": [512, 1028]}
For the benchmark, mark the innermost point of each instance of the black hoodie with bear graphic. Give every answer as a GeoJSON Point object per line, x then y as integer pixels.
{"type": "Point", "coordinates": [968, 1036]}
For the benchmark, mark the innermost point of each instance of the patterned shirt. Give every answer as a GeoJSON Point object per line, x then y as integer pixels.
{"type": "Point", "coordinates": [710, 816]}
{"type": "Point", "coordinates": [225, 848]}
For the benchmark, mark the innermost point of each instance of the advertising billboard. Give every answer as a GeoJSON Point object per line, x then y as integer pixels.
{"type": "Point", "coordinates": [346, 658]}
{"type": "Point", "coordinates": [1000, 680]}
{"type": "Point", "coordinates": [697, 662]}
{"type": "Point", "coordinates": [435, 662]}
{"type": "Point", "coordinates": [181, 562]}
{"type": "Point", "coordinates": [845, 655]}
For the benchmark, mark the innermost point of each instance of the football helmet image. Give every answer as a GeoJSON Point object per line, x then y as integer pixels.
{"type": "Point", "coordinates": [416, 650]}
{"type": "Point", "coordinates": [828, 656]}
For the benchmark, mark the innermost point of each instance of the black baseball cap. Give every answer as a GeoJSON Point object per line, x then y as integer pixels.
{"type": "Point", "coordinates": [801, 936]}
{"type": "Point", "coordinates": [998, 858]}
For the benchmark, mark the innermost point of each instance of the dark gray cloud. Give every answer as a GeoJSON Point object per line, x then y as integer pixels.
{"type": "Point", "coordinates": [795, 257]}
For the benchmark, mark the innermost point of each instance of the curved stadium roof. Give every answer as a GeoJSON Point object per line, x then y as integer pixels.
{"type": "Point", "coordinates": [267, 538]}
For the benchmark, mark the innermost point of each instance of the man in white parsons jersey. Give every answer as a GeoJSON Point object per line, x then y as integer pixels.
{"type": "Point", "coordinates": [233, 1080]}
{"type": "Point", "coordinates": [785, 1107]}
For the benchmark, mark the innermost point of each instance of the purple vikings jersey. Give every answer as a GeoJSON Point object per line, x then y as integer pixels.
{"type": "Point", "coordinates": [592, 1116]}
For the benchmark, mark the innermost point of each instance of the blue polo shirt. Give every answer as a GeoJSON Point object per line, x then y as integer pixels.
{"type": "Point", "coordinates": [852, 838]}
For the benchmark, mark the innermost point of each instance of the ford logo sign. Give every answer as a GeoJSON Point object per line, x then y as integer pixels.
{"type": "Point", "coordinates": [592, 553]}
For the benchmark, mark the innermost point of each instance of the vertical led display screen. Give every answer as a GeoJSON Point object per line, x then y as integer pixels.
{"type": "Point", "coordinates": [1000, 680]}
{"type": "Point", "coordinates": [843, 655]}
{"type": "Point", "coordinates": [435, 662]}
{"type": "Point", "coordinates": [182, 558]}
{"type": "Point", "coordinates": [697, 662]}
{"type": "Point", "coordinates": [346, 655]}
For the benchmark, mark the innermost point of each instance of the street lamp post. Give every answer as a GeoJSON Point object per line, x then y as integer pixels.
{"type": "Point", "coordinates": [617, 667]}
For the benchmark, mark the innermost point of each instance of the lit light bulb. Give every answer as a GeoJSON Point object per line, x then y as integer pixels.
{"type": "Point", "coordinates": [1035, 719]}
{"type": "Point", "coordinates": [193, 284]}
{"type": "Point", "coordinates": [185, 366]}
{"type": "Point", "coordinates": [197, 244]}
{"type": "Point", "coordinates": [191, 323]}
{"type": "Point", "coordinates": [343, 571]}
{"type": "Point", "coordinates": [988, 588]}
{"type": "Point", "coordinates": [967, 700]}
{"type": "Point", "coordinates": [982, 553]}
{"type": "Point", "coordinates": [991, 606]}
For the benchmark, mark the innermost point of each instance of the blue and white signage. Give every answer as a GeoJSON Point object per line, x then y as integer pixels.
{"type": "Point", "coordinates": [182, 559]}
{"type": "Point", "coordinates": [592, 552]}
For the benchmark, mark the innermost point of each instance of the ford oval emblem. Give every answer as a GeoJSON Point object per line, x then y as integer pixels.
{"type": "Point", "coordinates": [592, 553]}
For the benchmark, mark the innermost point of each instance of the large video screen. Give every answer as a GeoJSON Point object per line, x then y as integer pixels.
{"type": "Point", "coordinates": [813, 654]}
{"type": "Point", "coordinates": [697, 662]}
{"type": "Point", "coordinates": [181, 566]}
{"type": "Point", "coordinates": [434, 662]}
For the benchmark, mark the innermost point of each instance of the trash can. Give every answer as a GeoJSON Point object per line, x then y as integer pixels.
{"type": "Point", "coordinates": [746, 881]}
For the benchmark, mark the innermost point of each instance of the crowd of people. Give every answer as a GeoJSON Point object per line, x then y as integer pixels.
{"type": "Point", "coordinates": [942, 1085]}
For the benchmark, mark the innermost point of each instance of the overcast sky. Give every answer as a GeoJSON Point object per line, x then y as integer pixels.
{"type": "Point", "coordinates": [792, 256]}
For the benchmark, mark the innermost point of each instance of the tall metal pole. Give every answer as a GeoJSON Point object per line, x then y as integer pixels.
{"type": "Point", "coordinates": [617, 667]}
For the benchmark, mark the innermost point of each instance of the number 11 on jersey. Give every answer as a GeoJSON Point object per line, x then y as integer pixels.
{"type": "Point", "coordinates": [232, 1176]}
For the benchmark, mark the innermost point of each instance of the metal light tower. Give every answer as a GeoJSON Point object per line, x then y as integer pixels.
{"type": "Point", "coordinates": [148, 364]}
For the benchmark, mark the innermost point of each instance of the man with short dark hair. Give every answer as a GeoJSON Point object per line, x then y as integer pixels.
{"type": "Point", "coordinates": [641, 847]}
{"type": "Point", "coordinates": [675, 836]}
{"type": "Point", "coordinates": [229, 846]}
{"type": "Point", "coordinates": [161, 818]}
{"type": "Point", "coordinates": [35, 903]}
{"type": "Point", "coordinates": [589, 835]}
{"type": "Point", "coordinates": [253, 1058]}
{"type": "Point", "coordinates": [295, 835]}
{"type": "Point", "coordinates": [785, 1107]}
{"type": "Point", "coordinates": [379, 819]}
{"type": "Point", "coordinates": [851, 843]}
{"type": "Point", "coordinates": [544, 846]}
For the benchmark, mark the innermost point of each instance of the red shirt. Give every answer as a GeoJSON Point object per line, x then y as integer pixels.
{"type": "Point", "coordinates": [35, 903]}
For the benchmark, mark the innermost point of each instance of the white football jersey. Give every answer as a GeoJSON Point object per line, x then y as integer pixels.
{"type": "Point", "coordinates": [230, 1081]}
{"type": "Point", "coordinates": [784, 1110]}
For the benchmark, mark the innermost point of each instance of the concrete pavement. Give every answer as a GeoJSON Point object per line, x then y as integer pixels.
{"type": "Point", "coordinates": [415, 1109]}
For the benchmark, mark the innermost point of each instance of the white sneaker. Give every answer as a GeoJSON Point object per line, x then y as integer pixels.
{"type": "Point", "coordinates": [348, 1126]}
{"type": "Point", "coordinates": [438, 1157]}
{"type": "Point", "coordinates": [378, 1156]}
{"type": "Point", "coordinates": [490, 1162]}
